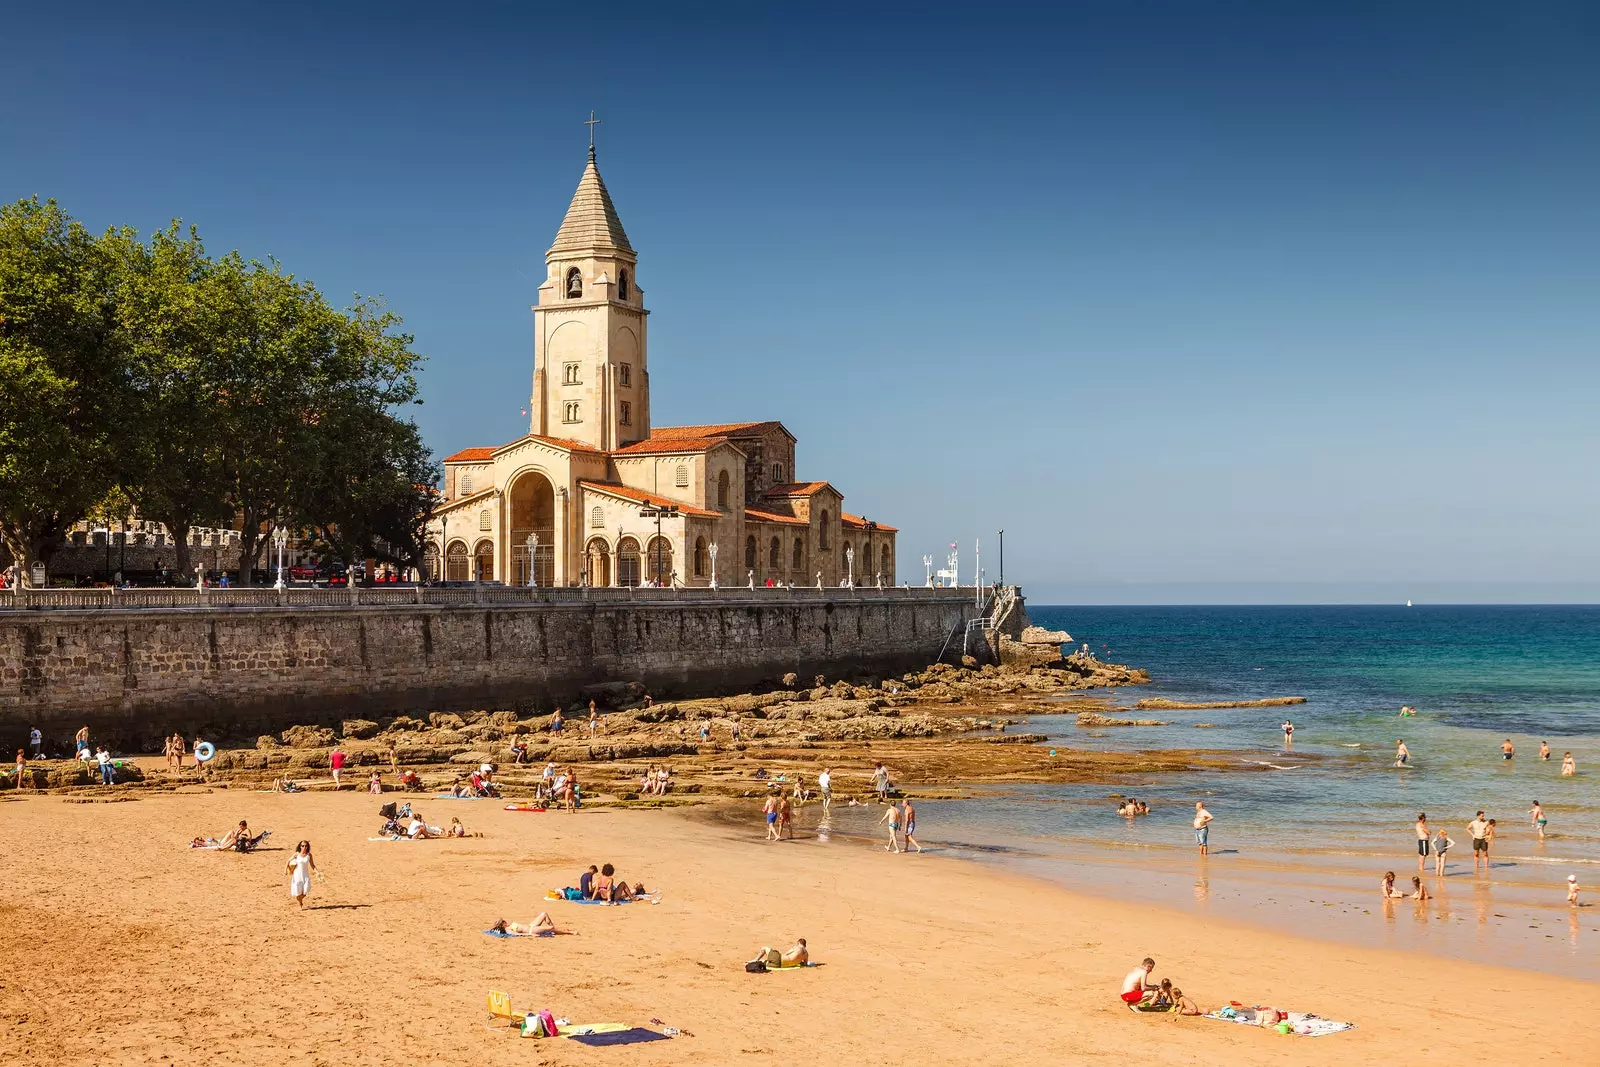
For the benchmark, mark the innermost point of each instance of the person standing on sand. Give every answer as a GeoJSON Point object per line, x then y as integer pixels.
{"type": "Point", "coordinates": [825, 787]}
{"type": "Point", "coordinates": [770, 811]}
{"type": "Point", "coordinates": [299, 869]}
{"type": "Point", "coordinates": [908, 824]}
{"type": "Point", "coordinates": [1569, 766]}
{"type": "Point", "coordinates": [594, 719]}
{"type": "Point", "coordinates": [1441, 845]}
{"type": "Point", "coordinates": [36, 739]}
{"type": "Point", "coordinates": [1402, 754]}
{"type": "Point", "coordinates": [1202, 827]}
{"type": "Point", "coordinates": [1479, 829]}
{"type": "Point", "coordinates": [336, 761]}
{"type": "Point", "coordinates": [1508, 750]}
{"type": "Point", "coordinates": [892, 817]}
{"type": "Point", "coordinates": [1423, 839]}
{"type": "Point", "coordinates": [1544, 751]}
{"type": "Point", "coordinates": [1536, 817]}
{"type": "Point", "coordinates": [177, 748]}
{"type": "Point", "coordinates": [569, 791]}
{"type": "Point", "coordinates": [785, 817]}
{"type": "Point", "coordinates": [1572, 890]}
{"type": "Point", "coordinates": [22, 770]}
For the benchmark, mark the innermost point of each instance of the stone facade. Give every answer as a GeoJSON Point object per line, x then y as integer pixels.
{"type": "Point", "coordinates": [134, 675]}
{"type": "Point", "coordinates": [562, 505]}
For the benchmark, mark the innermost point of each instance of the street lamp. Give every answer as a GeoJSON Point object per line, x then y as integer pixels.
{"type": "Point", "coordinates": [659, 512]}
{"type": "Point", "coordinates": [712, 548]}
{"type": "Point", "coordinates": [1002, 536]}
{"type": "Point", "coordinates": [280, 540]}
{"type": "Point", "coordinates": [533, 554]}
{"type": "Point", "coordinates": [849, 566]}
{"type": "Point", "coordinates": [927, 563]}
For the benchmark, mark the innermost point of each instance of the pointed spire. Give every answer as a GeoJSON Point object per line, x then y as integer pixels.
{"type": "Point", "coordinates": [591, 224]}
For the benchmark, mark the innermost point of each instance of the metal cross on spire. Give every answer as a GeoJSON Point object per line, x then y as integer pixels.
{"type": "Point", "coordinates": [592, 123]}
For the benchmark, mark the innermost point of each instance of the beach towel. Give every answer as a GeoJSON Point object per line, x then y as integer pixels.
{"type": "Point", "coordinates": [525, 807]}
{"type": "Point", "coordinates": [791, 967]}
{"type": "Point", "coordinates": [632, 1036]}
{"type": "Point", "coordinates": [1301, 1024]}
{"type": "Point", "coordinates": [508, 933]}
{"type": "Point", "coordinates": [573, 1030]}
{"type": "Point", "coordinates": [557, 894]}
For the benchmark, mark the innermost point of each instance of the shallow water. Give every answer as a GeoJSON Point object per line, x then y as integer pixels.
{"type": "Point", "coordinates": [1301, 842]}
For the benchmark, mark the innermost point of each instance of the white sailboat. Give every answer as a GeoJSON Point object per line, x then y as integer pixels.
{"type": "Point", "coordinates": [1408, 603]}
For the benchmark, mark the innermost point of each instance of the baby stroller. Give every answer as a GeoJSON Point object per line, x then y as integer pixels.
{"type": "Point", "coordinates": [392, 814]}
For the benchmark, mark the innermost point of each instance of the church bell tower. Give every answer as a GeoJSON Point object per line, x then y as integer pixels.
{"type": "Point", "coordinates": [590, 379]}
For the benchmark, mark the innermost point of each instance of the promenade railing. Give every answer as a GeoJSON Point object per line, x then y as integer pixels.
{"type": "Point", "coordinates": [108, 599]}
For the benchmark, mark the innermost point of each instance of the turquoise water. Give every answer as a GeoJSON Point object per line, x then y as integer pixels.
{"type": "Point", "coordinates": [1301, 840]}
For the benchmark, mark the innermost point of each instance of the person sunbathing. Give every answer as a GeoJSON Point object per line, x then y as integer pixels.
{"type": "Point", "coordinates": [421, 831]}
{"type": "Point", "coordinates": [796, 955]}
{"type": "Point", "coordinates": [541, 926]}
{"type": "Point", "coordinates": [232, 837]}
{"type": "Point", "coordinates": [602, 885]}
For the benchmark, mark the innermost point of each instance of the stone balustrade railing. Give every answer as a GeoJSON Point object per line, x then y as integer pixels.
{"type": "Point", "coordinates": [381, 596]}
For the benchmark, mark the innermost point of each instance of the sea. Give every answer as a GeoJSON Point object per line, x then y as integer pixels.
{"type": "Point", "coordinates": [1304, 832]}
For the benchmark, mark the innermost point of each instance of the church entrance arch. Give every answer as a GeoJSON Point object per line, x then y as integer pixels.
{"type": "Point", "coordinates": [430, 562]}
{"type": "Point", "coordinates": [532, 501]}
{"type": "Point", "coordinates": [597, 562]}
{"type": "Point", "coordinates": [628, 570]}
{"type": "Point", "coordinates": [483, 561]}
{"type": "Point", "coordinates": [456, 569]}
{"type": "Point", "coordinates": [658, 561]}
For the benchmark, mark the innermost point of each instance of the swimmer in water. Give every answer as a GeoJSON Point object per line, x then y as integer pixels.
{"type": "Point", "coordinates": [1406, 711]}
{"type": "Point", "coordinates": [1544, 750]}
{"type": "Point", "coordinates": [1288, 732]}
{"type": "Point", "coordinates": [1402, 754]}
{"type": "Point", "coordinates": [1508, 750]}
{"type": "Point", "coordinates": [1569, 766]}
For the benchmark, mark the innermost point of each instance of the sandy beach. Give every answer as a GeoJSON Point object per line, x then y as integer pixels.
{"type": "Point", "coordinates": [132, 948]}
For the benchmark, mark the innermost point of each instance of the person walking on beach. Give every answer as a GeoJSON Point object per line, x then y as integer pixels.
{"type": "Point", "coordinates": [1402, 754]}
{"type": "Point", "coordinates": [22, 770]}
{"type": "Point", "coordinates": [36, 741]}
{"type": "Point", "coordinates": [908, 825]}
{"type": "Point", "coordinates": [1424, 839]}
{"type": "Point", "coordinates": [177, 748]}
{"type": "Point", "coordinates": [594, 720]}
{"type": "Point", "coordinates": [1569, 766]}
{"type": "Point", "coordinates": [1536, 816]}
{"type": "Point", "coordinates": [770, 811]}
{"type": "Point", "coordinates": [1488, 849]}
{"type": "Point", "coordinates": [1479, 829]}
{"type": "Point", "coordinates": [1544, 751]}
{"type": "Point", "coordinates": [880, 782]}
{"type": "Point", "coordinates": [299, 869]}
{"type": "Point", "coordinates": [1572, 890]}
{"type": "Point", "coordinates": [336, 761]}
{"type": "Point", "coordinates": [1202, 827]}
{"type": "Point", "coordinates": [1507, 750]}
{"type": "Point", "coordinates": [892, 817]}
{"type": "Point", "coordinates": [825, 787]}
{"type": "Point", "coordinates": [1441, 845]}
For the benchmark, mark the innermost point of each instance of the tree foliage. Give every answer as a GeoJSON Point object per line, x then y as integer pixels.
{"type": "Point", "coordinates": [206, 391]}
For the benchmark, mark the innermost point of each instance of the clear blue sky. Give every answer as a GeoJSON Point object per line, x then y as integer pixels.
{"type": "Point", "coordinates": [1228, 294]}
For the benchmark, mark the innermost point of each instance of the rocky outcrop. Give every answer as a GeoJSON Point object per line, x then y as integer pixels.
{"type": "Point", "coordinates": [1090, 718]}
{"type": "Point", "coordinates": [1162, 704]}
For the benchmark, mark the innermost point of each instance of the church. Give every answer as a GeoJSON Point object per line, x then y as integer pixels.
{"type": "Point", "coordinates": [596, 494]}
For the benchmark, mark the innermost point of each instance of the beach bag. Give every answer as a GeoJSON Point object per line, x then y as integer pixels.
{"type": "Point", "coordinates": [539, 1024]}
{"type": "Point", "coordinates": [572, 894]}
{"type": "Point", "coordinates": [756, 967]}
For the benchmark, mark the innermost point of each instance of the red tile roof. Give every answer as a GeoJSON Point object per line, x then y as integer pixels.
{"type": "Point", "coordinates": [628, 492]}
{"type": "Point", "coordinates": [565, 443]}
{"type": "Point", "coordinates": [721, 429]}
{"type": "Point", "coordinates": [756, 515]}
{"type": "Point", "coordinates": [857, 522]}
{"type": "Point", "coordinates": [671, 446]}
{"type": "Point", "coordinates": [470, 455]}
{"type": "Point", "coordinates": [461, 501]}
{"type": "Point", "coordinates": [799, 489]}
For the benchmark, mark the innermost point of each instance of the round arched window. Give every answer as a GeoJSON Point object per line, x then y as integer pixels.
{"type": "Point", "coordinates": [622, 284]}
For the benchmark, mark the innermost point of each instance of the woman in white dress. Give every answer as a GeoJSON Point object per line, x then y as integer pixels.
{"type": "Point", "coordinates": [300, 869]}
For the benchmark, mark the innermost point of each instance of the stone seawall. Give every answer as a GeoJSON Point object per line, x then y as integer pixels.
{"type": "Point", "coordinates": [133, 675]}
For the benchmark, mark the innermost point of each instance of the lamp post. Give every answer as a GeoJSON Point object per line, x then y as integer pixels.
{"type": "Point", "coordinates": [659, 512]}
{"type": "Point", "coordinates": [533, 555]}
{"type": "Point", "coordinates": [712, 549]}
{"type": "Point", "coordinates": [927, 563]}
{"type": "Point", "coordinates": [1002, 536]}
{"type": "Point", "coordinates": [280, 540]}
{"type": "Point", "coordinates": [849, 566]}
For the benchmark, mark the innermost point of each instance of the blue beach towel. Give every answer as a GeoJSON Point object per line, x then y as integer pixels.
{"type": "Point", "coordinates": [508, 933]}
{"type": "Point", "coordinates": [620, 1037]}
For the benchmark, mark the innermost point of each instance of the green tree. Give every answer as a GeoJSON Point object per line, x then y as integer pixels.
{"type": "Point", "coordinates": [63, 375]}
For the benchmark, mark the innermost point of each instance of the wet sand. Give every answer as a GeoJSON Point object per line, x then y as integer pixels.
{"type": "Point", "coordinates": [131, 948]}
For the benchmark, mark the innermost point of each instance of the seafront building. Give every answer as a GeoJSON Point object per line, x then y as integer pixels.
{"type": "Point", "coordinates": [596, 494]}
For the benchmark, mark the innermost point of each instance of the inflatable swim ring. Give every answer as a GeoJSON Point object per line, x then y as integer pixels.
{"type": "Point", "coordinates": [204, 751]}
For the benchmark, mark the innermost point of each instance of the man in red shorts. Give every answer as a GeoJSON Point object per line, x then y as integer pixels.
{"type": "Point", "coordinates": [1137, 986]}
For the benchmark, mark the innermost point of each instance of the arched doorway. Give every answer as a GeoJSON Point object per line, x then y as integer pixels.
{"type": "Point", "coordinates": [456, 569]}
{"type": "Point", "coordinates": [702, 560]}
{"type": "Point", "coordinates": [886, 565]}
{"type": "Point", "coordinates": [658, 565]}
{"type": "Point", "coordinates": [597, 562]}
{"type": "Point", "coordinates": [629, 571]}
{"type": "Point", "coordinates": [430, 561]}
{"type": "Point", "coordinates": [483, 561]}
{"type": "Point", "coordinates": [532, 502]}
